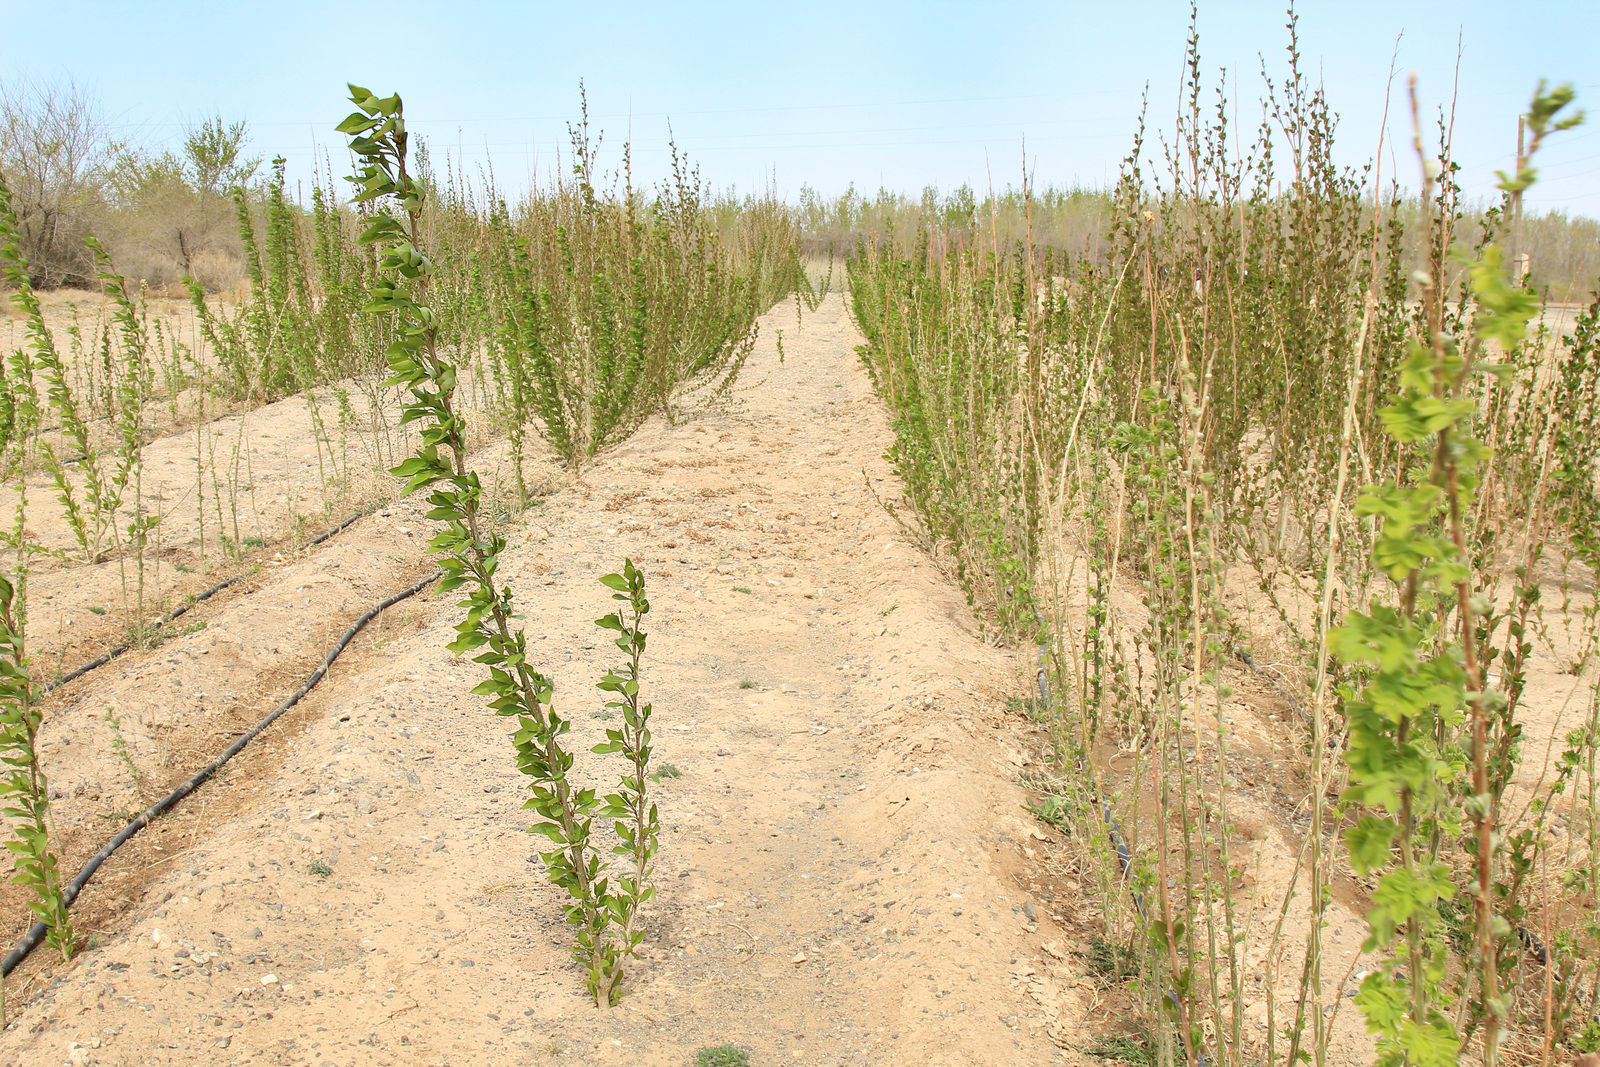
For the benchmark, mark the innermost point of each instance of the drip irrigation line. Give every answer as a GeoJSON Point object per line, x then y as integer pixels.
{"type": "Point", "coordinates": [1537, 949]}
{"type": "Point", "coordinates": [1124, 855]}
{"type": "Point", "coordinates": [36, 933]}
{"type": "Point", "coordinates": [106, 657]}
{"type": "Point", "coordinates": [1249, 661]}
{"type": "Point", "coordinates": [1332, 740]}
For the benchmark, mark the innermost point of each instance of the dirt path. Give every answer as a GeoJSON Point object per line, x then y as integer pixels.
{"type": "Point", "coordinates": [842, 857]}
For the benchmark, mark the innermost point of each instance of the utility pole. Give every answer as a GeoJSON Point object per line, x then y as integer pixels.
{"type": "Point", "coordinates": [1519, 258]}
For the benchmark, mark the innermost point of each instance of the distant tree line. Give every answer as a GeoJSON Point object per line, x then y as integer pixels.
{"type": "Point", "coordinates": [163, 214]}
{"type": "Point", "coordinates": [1563, 250]}
{"type": "Point", "coordinates": [170, 214]}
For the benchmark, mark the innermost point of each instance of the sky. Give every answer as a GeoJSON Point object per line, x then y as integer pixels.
{"type": "Point", "coordinates": [894, 95]}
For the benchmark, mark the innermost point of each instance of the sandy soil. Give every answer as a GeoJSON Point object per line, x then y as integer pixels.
{"type": "Point", "coordinates": [846, 858]}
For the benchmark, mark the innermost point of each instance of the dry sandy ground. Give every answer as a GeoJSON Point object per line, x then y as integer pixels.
{"type": "Point", "coordinates": [843, 858]}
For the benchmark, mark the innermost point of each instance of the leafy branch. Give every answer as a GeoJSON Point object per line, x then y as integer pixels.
{"type": "Point", "coordinates": [1424, 668]}
{"type": "Point", "coordinates": [24, 793]}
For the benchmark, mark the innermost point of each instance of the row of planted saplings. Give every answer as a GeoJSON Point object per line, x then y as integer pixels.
{"type": "Point", "coordinates": [1097, 443]}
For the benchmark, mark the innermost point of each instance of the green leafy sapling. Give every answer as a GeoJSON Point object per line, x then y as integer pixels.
{"type": "Point", "coordinates": [24, 793]}
{"type": "Point", "coordinates": [636, 821]}
{"type": "Point", "coordinates": [1417, 780]}
{"type": "Point", "coordinates": [469, 553]}
{"type": "Point", "coordinates": [91, 518]}
{"type": "Point", "coordinates": [132, 390]}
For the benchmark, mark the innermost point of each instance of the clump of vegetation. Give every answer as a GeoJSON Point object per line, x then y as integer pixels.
{"type": "Point", "coordinates": [571, 316]}
{"type": "Point", "coordinates": [1119, 1049]}
{"type": "Point", "coordinates": [1184, 415]}
{"type": "Point", "coordinates": [119, 748]}
{"type": "Point", "coordinates": [722, 1056]}
{"type": "Point", "coordinates": [609, 305]}
{"type": "Point", "coordinates": [24, 792]}
{"type": "Point", "coordinates": [91, 511]}
{"type": "Point", "coordinates": [1112, 961]}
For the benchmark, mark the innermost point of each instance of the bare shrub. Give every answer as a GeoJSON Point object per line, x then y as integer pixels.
{"type": "Point", "coordinates": [55, 150]}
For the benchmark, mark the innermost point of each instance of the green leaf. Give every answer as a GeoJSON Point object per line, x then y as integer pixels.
{"type": "Point", "coordinates": [1369, 842]}
{"type": "Point", "coordinates": [355, 123]}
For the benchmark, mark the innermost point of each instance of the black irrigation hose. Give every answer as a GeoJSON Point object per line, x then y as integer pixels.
{"type": "Point", "coordinates": [324, 535]}
{"type": "Point", "coordinates": [1249, 661]}
{"type": "Point", "coordinates": [1536, 948]}
{"type": "Point", "coordinates": [1124, 856]}
{"type": "Point", "coordinates": [36, 933]}
{"type": "Point", "coordinates": [107, 657]}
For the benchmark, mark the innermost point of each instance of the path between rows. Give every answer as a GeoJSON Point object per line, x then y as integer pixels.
{"type": "Point", "coordinates": [844, 856]}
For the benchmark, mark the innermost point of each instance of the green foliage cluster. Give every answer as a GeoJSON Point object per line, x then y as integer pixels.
{"type": "Point", "coordinates": [299, 326]}
{"type": "Point", "coordinates": [1429, 737]}
{"type": "Point", "coordinates": [24, 792]}
{"type": "Point", "coordinates": [103, 479]}
{"type": "Point", "coordinates": [577, 312]}
{"type": "Point", "coordinates": [957, 447]}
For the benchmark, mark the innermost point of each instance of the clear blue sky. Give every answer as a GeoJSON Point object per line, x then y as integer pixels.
{"type": "Point", "coordinates": [898, 94]}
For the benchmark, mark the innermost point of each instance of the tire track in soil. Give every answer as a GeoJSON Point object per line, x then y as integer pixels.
{"type": "Point", "coordinates": [842, 857]}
